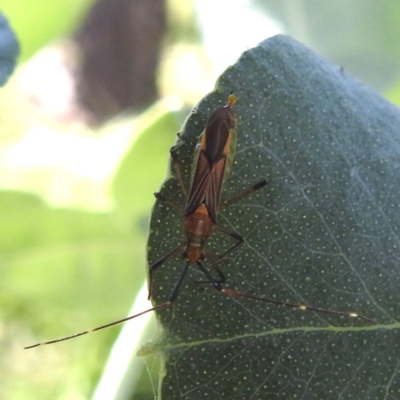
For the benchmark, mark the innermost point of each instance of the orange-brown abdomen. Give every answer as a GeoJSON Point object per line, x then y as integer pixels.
{"type": "Point", "coordinates": [198, 227]}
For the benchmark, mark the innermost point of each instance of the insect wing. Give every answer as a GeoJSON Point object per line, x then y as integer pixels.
{"type": "Point", "coordinates": [209, 172]}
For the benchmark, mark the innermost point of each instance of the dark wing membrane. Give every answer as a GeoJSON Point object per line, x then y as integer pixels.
{"type": "Point", "coordinates": [210, 165]}
{"type": "Point", "coordinates": [206, 186]}
{"type": "Point", "coordinates": [213, 192]}
{"type": "Point", "coordinates": [200, 183]}
{"type": "Point", "coordinates": [217, 134]}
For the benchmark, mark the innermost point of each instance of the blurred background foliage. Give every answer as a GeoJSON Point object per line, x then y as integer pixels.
{"type": "Point", "coordinates": [87, 119]}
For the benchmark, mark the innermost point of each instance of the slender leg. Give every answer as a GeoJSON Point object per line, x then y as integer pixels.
{"type": "Point", "coordinates": [218, 285]}
{"type": "Point", "coordinates": [179, 144]}
{"type": "Point", "coordinates": [162, 198]}
{"type": "Point", "coordinates": [120, 321]}
{"type": "Point", "coordinates": [160, 262]}
{"type": "Point", "coordinates": [167, 303]}
{"type": "Point", "coordinates": [300, 307]}
{"type": "Point", "coordinates": [234, 235]}
{"type": "Point", "coordinates": [178, 167]}
{"type": "Point", "coordinates": [239, 238]}
{"type": "Point", "coordinates": [178, 284]}
{"type": "Point", "coordinates": [247, 192]}
{"type": "Point", "coordinates": [221, 276]}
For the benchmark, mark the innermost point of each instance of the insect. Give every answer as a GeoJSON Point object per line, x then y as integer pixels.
{"type": "Point", "coordinates": [200, 215]}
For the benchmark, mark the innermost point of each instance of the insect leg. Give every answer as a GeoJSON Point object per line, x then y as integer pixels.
{"type": "Point", "coordinates": [300, 307]}
{"type": "Point", "coordinates": [177, 165]}
{"type": "Point", "coordinates": [221, 276]}
{"type": "Point", "coordinates": [160, 262]}
{"type": "Point", "coordinates": [120, 321]}
{"type": "Point", "coordinates": [234, 235]}
{"type": "Point", "coordinates": [247, 192]}
{"type": "Point", "coordinates": [163, 199]}
{"type": "Point", "coordinates": [218, 285]}
{"type": "Point", "coordinates": [167, 303]}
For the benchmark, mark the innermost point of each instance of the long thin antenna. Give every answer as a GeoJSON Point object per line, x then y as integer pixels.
{"type": "Point", "coordinates": [120, 321]}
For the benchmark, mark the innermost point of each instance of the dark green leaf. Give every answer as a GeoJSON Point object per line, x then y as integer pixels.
{"type": "Point", "coordinates": [324, 232]}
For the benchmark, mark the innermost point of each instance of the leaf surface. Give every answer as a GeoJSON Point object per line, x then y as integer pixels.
{"type": "Point", "coordinates": [324, 232]}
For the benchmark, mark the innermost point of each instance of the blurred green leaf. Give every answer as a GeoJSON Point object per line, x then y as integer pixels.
{"type": "Point", "coordinates": [67, 270]}
{"type": "Point", "coordinates": [9, 50]}
{"type": "Point", "coordinates": [393, 94]}
{"type": "Point", "coordinates": [359, 35]}
{"type": "Point", "coordinates": [324, 232]}
{"type": "Point", "coordinates": [144, 165]}
{"type": "Point", "coordinates": [62, 271]}
{"type": "Point", "coordinates": [36, 23]}
{"type": "Point", "coordinates": [83, 247]}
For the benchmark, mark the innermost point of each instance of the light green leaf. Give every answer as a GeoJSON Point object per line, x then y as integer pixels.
{"type": "Point", "coordinates": [62, 270]}
{"type": "Point", "coordinates": [143, 166]}
{"type": "Point", "coordinates": [360, 35]}
{"type": "Point", "coordinates": [37, 24]}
